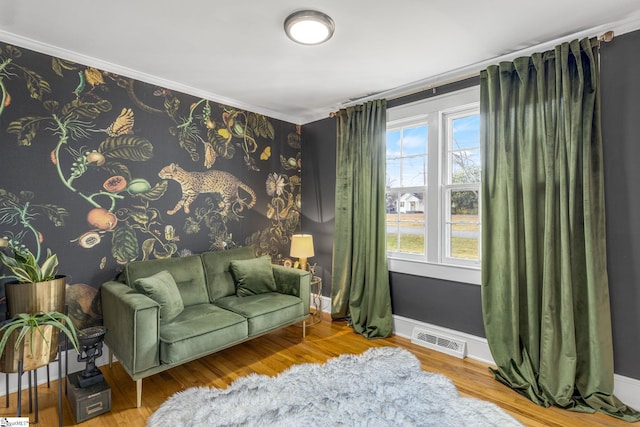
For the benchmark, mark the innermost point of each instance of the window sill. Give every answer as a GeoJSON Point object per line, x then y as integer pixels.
{"type": "Point", "coordinates": [437, 271]}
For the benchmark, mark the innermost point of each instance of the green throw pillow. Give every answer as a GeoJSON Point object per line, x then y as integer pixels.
{"type": "Point", "coordinates": [162, 288]}
{"type": "Point", "coordinates": [253, 276]}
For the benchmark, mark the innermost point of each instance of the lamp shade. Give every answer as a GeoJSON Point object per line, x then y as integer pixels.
{"type": "Point", "coordinates": [302, 246]}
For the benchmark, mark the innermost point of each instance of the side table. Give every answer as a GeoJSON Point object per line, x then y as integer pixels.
{"type": "Point", "coordinates": [316, 299]}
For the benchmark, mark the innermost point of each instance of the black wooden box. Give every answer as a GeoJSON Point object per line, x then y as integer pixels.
{"type": "Point", "coordinates": [88, 402]}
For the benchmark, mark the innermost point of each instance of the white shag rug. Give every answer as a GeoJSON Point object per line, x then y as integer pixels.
{"type": "Point", "coordinates": [384, 386]}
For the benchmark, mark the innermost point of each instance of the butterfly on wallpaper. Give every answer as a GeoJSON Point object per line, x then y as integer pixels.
{"type": "Point", "coordinates": [123, 124]}
{"type": "Point", "coordinates": [266, 153]}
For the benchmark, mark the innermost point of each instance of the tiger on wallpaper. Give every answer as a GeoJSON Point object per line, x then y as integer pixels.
{"type": "Point", "coordinates": [211, 181]}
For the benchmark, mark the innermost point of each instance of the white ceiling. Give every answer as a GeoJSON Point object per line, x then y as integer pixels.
{"type": "Point", "coordinates": [236, 52]}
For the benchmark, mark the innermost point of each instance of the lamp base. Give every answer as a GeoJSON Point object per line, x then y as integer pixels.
{"type": "Point", "coordinates": [303, 265]}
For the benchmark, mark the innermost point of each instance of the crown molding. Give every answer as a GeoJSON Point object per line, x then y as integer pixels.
{"type": "Point", "coordinates": [48, 49]}
{"type": "Point", "coordinates": [630, 23]}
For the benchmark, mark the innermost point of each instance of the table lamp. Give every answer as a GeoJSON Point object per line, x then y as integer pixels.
{"type": "Point", "coordinates": [302, 248]}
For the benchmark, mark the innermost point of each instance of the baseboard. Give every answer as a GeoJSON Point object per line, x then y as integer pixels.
{"type": "Point", "coordinates": [477, 347]}
{"type": "Point", "coordinates": [626, 389]}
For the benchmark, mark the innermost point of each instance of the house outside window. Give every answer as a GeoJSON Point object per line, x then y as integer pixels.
{"type": "Point", "coordinates": [433, 186]}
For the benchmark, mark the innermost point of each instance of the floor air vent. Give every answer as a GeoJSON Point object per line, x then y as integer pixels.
{"type": "Point", "coordinates": [439, 342]}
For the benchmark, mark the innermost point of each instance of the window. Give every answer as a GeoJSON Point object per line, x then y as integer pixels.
{"type": "Point", "coordinates": [433, 185]}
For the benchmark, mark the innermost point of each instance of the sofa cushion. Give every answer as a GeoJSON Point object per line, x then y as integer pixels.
{"type": "Point", "coordinates": [216, 266]}
{"type": "Point", "coordinates": [187, 272]}
{"type": "Point", "coordinates": [161, 288]}
{"type": "Point", "coordinates": [200, 329]}
{"type": "Point", "coordinates": [265, 312]}
{"type": "Point", "coordinates": [253, 276]}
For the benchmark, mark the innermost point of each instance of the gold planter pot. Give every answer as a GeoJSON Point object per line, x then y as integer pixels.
{"type": "Point", "coordinates": [34, 352]}
{"type": "Point", "coordinates": [32, 298]}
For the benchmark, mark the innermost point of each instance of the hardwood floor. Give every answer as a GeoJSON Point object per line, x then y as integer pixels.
{"type": "Point", "coordinates": [277, 351]}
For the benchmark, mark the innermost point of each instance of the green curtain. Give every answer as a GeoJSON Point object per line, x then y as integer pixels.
{"type": "Point", "coordinates": [545, 293]}
{"type": "Point", "coordinates": [360, 277]}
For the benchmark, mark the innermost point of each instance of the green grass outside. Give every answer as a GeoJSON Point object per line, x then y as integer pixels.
{"type": "Point", "coordinates": [461, 247]}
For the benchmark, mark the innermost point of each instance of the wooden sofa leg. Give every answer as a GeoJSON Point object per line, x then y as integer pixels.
{"type": "Point", "coordinates": [110, 359]}
{"type": "Point", "coordinates": [138, 393]}
{"type": "Point", "coordinates": [304, 329]}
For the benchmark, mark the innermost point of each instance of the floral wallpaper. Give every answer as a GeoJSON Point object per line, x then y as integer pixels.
{"type": "Point", "coordinates": [103, 170]}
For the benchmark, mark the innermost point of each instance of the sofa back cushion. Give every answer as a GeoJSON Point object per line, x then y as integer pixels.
{"type": "Point", "coordinates": [216, 266]}
{"type": "Point", "coordinates": [253, 276]}
{"type": "Point", "coordinates": [162, 288]}
{"type": "Point", "coordinates": [187, 272]}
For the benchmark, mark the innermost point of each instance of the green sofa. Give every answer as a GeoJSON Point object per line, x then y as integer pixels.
{"type": "Point", "coordinates": [223, 298]}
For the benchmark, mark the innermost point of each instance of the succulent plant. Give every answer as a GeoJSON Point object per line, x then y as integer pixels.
{"type": "Point", "coordinates": [25, 267]}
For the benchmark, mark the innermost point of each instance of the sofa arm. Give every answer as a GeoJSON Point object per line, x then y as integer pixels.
{"type": "Point", "coordinates": [292, 281]}
{"type": "Point", "coordinates": [132, 321]}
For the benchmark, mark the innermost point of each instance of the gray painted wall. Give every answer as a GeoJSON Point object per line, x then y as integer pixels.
{"type": "Point", "coordinates": [458, 305]}
{"type": "Point", "coordinates": [318, 193]}
{"type": "Point", "coordinates": [620, 79]}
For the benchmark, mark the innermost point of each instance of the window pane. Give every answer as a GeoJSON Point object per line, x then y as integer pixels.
{"type": "Point", "coordinates": [412, 223]}
{"type": "Point", "coordinates": [464, 202]}
{"type": "Point", "coordinates": [393, 173]}
{"type": "Point", "coordinates": [414, 141]}
{"type": "Point", "coordinates": [465, 166]}
{"type": "Point", "coordinates": [412, 243]}
{"type": "Point", "coordinates": [392, 206]}
{"type": "Point", "coordinates": [413, 171]}
{"type": "Point", "coordinates": [464, 150]}
{"type": "Point", "coordinates": [464, 227]}
{"type": "Point", "coordinates": [393, 144]}
{"type": "Point", "coordinates": [466, 132]}
{"type": "Point", "coordinates": [392, 235]}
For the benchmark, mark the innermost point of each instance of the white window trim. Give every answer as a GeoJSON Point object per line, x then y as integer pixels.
{"type": "Point", "coordinates": [408, 114]}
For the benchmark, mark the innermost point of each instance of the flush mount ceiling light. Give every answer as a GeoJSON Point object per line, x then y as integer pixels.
{"type": "Point", "coordinates": [309, 27]}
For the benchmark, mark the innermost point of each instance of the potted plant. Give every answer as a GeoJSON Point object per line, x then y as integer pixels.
{"type": "Point", "coordinates": [31, 336]}
{"type": "Point", "coordinates": [35, 289]}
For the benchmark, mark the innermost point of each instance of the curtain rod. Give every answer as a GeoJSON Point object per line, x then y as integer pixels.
{"type": "Point", "coordinates": [394, 94]}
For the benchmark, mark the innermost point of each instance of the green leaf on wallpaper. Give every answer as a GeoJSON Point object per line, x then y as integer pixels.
{"type": "Point", "coordinates": [191, 148]}
{"type": "Point", "coordinates": [124, 244]}
{"type": "Point", "coordinates": [51, 106]}
{"type": "Point", "coordinates": [36, 85]}
{"type": "Point", "coordinates": [171, 105]}
{"type": "Point", "coordinates": [7, 198]}
{"type": "Point", "coordinates": [293, 139]}
{"type": "Point", "coordinates": [222, 145]}
{"type": "Point", "coordinates": [87, 110]}
{"type": "Point", "coordinates": [25, 129]}
{"type": "Point", "coordinates": [156, 192]}
{"type": "Point", "coordinates": [57, 65]}
{"type": "Point", "coordinates": [27, 195]}
{"type": "Point", "coordinates": [139, 217]}
{"type": "Point", "coordinates": [13, 51]}
{"type": "Point", "coordinates": [291, 223]}
{"type": "Point", "coordinates": [116, 168]}
{"type": "Point", "coordinates": [55, 214]}
{"type": "Point", "coordinates": [261, 125]}
{"type": "Point", "coordinates": [126, 147]}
